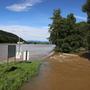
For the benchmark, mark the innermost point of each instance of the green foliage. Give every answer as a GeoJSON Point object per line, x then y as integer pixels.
{"type": "Point", "coordinates": [88, 40]}
{"type": "Point", "coordinates": [86, 8]}
{"type": "Point", "coordinates": [13, 75]}
{"type": "Point", "coordinates": [55, 26]}
{"type": "Point", "coordinates": [65, 48]}
{"type": "Point", "coordinates": [6, 37]}
{"type": "Point", "coordinates": [66, 36]}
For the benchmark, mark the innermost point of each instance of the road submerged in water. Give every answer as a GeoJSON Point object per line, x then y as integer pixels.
{"type": "Point", "coordinates": [61, 72]}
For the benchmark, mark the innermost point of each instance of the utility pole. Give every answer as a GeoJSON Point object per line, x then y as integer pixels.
{"type": "Point", "coordinates": [19, 44]}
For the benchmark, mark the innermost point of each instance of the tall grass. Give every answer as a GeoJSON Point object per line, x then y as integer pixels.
{"type": "Point", "coordinates": [13, 75]}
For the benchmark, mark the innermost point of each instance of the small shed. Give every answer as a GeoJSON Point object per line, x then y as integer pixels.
{"type": "Point", "coordinates": [7, 51]}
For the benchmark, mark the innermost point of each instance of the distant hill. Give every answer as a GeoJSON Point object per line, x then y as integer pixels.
{"type": "Point", "coordinates": [37, 42]}
{"type": "Point", "coordinates": [6, 37]}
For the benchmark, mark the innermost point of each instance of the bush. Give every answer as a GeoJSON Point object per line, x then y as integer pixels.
{"type": "Point", "coordinates": [88, 41]}
{"type": "Point", "coordinates": [65, 48]}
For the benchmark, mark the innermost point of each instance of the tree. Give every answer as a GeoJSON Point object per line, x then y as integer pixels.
{"type": "Point", "coordinates": [86, 8]}
{"type": "Point", "coordinates": [55, 27]}
{"type": "Point", "coordinates": [70, 39]}
{"type": "Point", "coordinates": [71, 21]}
{"type": "Point", "coordinates": [64, 34]}
{"type": "Point", "coordinates": [88, 40]}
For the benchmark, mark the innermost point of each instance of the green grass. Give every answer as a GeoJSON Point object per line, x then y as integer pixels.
{"type": "Point", "coordinates": [13, 75]}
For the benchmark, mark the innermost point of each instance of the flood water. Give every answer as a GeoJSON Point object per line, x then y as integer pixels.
{"type": "Point", "coordinates": [37, 51]}
{"type": "Point", "coordinates": [65, 75]}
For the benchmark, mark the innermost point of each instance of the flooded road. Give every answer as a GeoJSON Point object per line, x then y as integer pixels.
{"type": "Point", "coordinates": [37, 51]}
{"type": "Point", "coordinates": [61, 73]}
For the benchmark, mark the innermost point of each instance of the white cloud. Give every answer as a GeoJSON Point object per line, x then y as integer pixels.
{"type": "Point", "coordinates": [23, 6]}
{"type": "Point", "coordinates": [27, 32]}
{"type": "Point", "coordinates": [81, 18]}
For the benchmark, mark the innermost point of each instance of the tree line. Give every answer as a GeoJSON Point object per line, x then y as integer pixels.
{"type": "Point", "coordinates": [69, 35]}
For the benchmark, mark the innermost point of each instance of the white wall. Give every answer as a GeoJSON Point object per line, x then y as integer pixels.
{"type": "Point", "coordinates": [3, 52]}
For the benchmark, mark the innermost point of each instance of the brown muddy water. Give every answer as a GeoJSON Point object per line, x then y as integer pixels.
{"type": "Point", "coordinates": [61, 72]}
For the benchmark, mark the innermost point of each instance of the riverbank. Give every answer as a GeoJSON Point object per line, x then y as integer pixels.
{"type": "Point", "coordinates": [62, 72]}
{"type": "Point", "coordinates": [13, 75]}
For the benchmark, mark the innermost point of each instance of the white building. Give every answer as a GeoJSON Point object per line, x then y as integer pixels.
{"type": "Point", "coordinates": [7, 51]}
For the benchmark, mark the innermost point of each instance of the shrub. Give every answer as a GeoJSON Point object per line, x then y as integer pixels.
{"type": "Point", "coordinates": [65, 48]}
{"type": "Point", "coordinates": [88, 41]}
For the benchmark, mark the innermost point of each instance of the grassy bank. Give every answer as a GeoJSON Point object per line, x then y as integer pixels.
{"type": "Point", "coordinates": [13, 75]}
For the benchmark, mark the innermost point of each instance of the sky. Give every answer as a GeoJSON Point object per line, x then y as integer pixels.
{"type": "Point", "coordinates": [29, 19]}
